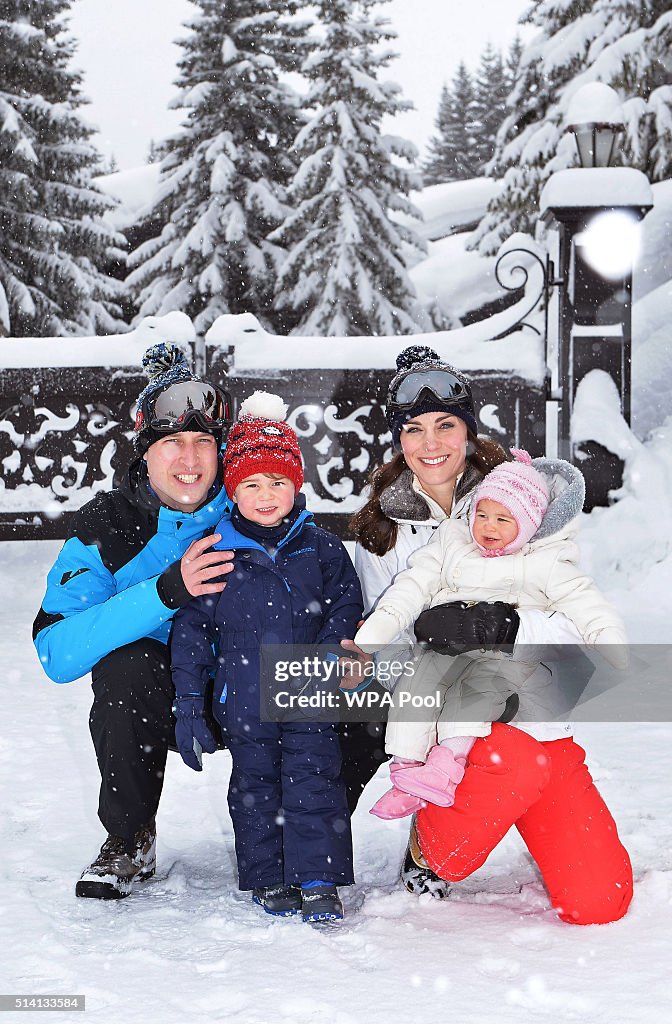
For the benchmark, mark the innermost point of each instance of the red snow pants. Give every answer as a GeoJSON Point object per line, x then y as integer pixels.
{"type": "Point", "coordinates": [546, 791]}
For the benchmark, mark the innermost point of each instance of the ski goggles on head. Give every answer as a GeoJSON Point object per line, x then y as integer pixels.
{"type": "Point", "coordinates": [174, 408]}
{"type": "Point", "coordinates": [443, 384]}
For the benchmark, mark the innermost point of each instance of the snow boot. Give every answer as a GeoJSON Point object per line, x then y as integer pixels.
{"type": "Point", "coordinates": [279, 900]}
{"type": "Point", "coordinates": [321, 903]}
{"type": "Point", "coordinates": [416, 875]}
{"type": "Point", "coordinates": [396, 804]}
{"type": "Point", "coordinates": [436, 780]}
{"type": "Point", "coordinates": [120, 863]}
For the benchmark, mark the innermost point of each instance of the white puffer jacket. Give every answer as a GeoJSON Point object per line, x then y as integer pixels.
{"type": "Point", "coordinates": [418, 518]}
{"type": "Point", "coordinates": [544, 574]}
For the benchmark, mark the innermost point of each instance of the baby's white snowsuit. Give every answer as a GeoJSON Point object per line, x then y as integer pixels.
{"type": "Point", "coordinates": [543, 575]}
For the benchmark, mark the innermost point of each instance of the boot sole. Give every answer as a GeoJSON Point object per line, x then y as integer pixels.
{"type": "Point", "coordinates": [108, 890]}
{"type": "Point", "coordinates": [421, 879]}
{"type": "Point", "coordinates": [290, 912]}
{"type": "Point", "coordinates": [421, 887]}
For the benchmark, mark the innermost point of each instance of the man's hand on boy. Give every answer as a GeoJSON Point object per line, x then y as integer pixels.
{"type": "Point", "coordinates": [199, 566]}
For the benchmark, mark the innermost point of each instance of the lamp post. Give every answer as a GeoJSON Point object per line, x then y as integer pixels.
{"type": "Point", "coordinates": [595, 118]}
{"type": "Point", "coordinates": [594, 212]}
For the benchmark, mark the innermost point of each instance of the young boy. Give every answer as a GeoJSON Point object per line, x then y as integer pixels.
{"type": "Point", "coordinates": [292, 583]}
{"type": "Point", "coordinates": [463, 562]}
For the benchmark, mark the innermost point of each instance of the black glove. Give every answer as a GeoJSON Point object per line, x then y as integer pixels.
{"type": "Point", "coordinates": [459, 627]}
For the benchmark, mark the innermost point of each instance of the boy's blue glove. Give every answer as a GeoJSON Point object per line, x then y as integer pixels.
{"type": "Point", "coordinates": [192, 732]}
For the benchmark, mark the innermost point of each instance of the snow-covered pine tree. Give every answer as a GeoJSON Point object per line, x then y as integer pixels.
{"type": "Point", "coordinates": [434, 169]}
{"type": "Point", "coordinates": [513, 59]}
{"type": "Point", "coordinates": [492, 85]}
{"type": "Point", "coordinates": [625, 43]}
{"type": "Point", "coordinates": [346, 272]}
{"type": "Point", "coordinates": [637, 64]}
{"type": "Point", "coordinates": [528, 138]}
{"type": "Point", "coordinates": [223, 174]}
{"type": "Point", "coordinates": [453, 151]}
{"type": "Point", "coordinates": [53, 240]}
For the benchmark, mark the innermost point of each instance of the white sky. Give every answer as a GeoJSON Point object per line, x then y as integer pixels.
{"type": "Point", "coordinates": [127, 52]}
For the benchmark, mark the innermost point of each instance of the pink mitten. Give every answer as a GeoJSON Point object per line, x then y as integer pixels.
{"type": "Point", "coordinates": [395, 804]}
{"type": "Point", "coordinates": [435, 781]}
{"type": "Point", "coordinates": [398, 766]}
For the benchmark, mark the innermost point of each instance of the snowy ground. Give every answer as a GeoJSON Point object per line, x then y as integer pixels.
{"type": "Point", "coordinates": [189, 943]}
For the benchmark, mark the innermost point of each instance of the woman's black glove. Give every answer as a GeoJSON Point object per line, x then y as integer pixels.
{"type": "Point", "coordinates": [459, 627]}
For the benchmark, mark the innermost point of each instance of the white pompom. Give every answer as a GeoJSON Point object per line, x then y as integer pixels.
{"type": "Point", "coordinates": [264, 406]}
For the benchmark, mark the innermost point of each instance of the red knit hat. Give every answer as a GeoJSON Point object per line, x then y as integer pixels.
{"type": "Point", "coordinates": [521, 489]}
{"type": "Point", "coordinates": [261, 442]}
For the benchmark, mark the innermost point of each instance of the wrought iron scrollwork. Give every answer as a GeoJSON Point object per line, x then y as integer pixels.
{"type": "Point", "coordinates": [508, 273]}
{"type": "Point", "coordinates": [339, 446]}
{"type": "Point", "coordinates": [62, 441]}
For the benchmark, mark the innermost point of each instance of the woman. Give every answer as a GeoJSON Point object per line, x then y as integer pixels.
{"type": "Point", "coordinates": [535, 779]}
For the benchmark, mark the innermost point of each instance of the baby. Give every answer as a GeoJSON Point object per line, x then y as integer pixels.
{"type": "Point", "coordinates": [515, 548]}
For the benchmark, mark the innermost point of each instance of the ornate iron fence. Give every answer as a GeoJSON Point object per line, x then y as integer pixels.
{"type": "Point", "coordinates": [65, 433]}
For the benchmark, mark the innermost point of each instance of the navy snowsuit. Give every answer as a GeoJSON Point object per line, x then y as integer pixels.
{"type": "Point", "coordinates": [286, 797]}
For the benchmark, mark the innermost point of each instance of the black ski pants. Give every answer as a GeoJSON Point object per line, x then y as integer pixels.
{"type": "Point", "coordinates": [132, 724]}
{"type": "Point", "coordinates": [362, 752]}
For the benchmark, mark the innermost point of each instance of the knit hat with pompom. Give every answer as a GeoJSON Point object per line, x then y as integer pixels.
{"type": "Point", "coordinates": [418, 358]}
{"type": "Point", "coordinates": [522, 490]}
{"type": "Point", "coordinates": [164, 364]}
{"type": "Point", "coordinates": [261, 442]}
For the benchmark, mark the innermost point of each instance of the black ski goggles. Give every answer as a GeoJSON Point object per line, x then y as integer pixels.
{"type": "Point", "coordinates": [174, 408]}
{"type": "Point", "coordinates": [443, 384]}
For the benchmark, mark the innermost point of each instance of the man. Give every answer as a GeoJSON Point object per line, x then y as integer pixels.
{"type": "Point", "coordinates": [134, 556]}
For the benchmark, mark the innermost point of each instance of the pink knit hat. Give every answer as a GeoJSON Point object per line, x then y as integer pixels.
{"type": "Point", "coordinates": [522, 490]}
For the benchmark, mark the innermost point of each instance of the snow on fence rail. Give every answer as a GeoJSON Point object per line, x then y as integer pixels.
{"type": "Point", "coordinates": [67, 406]}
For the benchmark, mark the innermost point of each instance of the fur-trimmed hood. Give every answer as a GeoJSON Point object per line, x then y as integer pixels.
{"type": "Point", "coordinates": [403, 504]}
{"type": "Point", "coordinates": [567, 491]}
{"type": "Point", "coordinates": [567, 494]}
